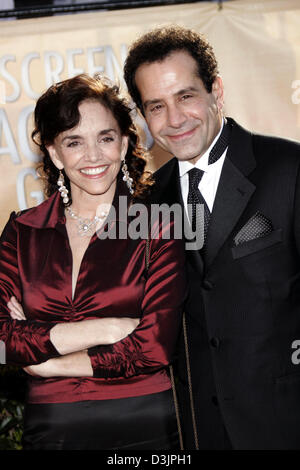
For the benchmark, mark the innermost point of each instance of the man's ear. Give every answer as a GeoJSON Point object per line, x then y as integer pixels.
{"type": "Point", "coordinates": [54, 157]}
{"type": "Point", "coordinates": [218, 92]}
{"type": "Point", "coordinates": [124, 146]}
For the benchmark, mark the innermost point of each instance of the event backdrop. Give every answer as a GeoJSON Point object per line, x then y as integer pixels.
{"type": "Point", "coordinates": [257, 44]}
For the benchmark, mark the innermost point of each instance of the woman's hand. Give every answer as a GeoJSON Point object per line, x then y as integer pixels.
{"type": "Point", "coordinates": [15, 309]}
{"type": "Point", "coordinates": [72, 365]}
{"type": "Point", "coordinates": [40, 370]}
{"type": "Point", "coordinates": [35, 370]}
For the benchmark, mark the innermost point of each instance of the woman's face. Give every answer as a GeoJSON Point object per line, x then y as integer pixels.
{"type": "Point", "coordinates": [91, 152]}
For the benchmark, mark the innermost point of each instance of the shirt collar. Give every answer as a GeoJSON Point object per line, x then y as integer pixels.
{"type": "Point", "coordinates": [202, 163]}
{"type": "Point", "coordinates": [46, 215]}
{"type": "Point", "coordinates": [50, 213]}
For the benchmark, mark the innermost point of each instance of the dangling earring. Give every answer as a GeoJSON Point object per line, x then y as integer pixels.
{"type": "Point", "coordinates": [61, 188]}
{"type": "Point", "coordinates": [128, 180]}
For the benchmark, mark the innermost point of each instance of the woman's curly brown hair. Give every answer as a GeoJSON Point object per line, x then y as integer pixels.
{"type": "Point", "coordinates": [57, 111]}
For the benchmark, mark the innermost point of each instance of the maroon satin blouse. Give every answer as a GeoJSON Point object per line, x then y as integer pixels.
{"type": "Point", "coordinates": [36, 267]}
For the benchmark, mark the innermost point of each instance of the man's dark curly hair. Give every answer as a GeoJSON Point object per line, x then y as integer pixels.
{"type": "Point", "coordinates": [158, 44]}
{"type": "Point", "coordinates": [57, 111]}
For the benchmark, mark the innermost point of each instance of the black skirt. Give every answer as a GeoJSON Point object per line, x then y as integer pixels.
{"type": "Point", "coordinates": [137, 423]}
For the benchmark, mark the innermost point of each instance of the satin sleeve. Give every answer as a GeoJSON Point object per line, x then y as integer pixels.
{"type": "Point", "coordinates": [27, 342]}
{"type": "Point", "coordinates": [152, 344]}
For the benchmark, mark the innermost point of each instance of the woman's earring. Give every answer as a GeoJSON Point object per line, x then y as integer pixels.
{"type": "Point", "coordinates": [128, 180]}
{"type": "Point", "coordinates": [62, 189]}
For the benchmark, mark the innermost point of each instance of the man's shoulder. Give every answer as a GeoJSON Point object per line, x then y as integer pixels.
{"type": "Point", "coordinates": [165, 170]}
{"type": "Point", "coordinates": [265, 140]}
{"type": "Point", "coordinates": [276, 144]}
{"type": "Point", "coordinates": [267, 147]}
{"type": "Point", "coordinates": [165, 181]}
{"type": "Point", "coordinates": [276, 151]}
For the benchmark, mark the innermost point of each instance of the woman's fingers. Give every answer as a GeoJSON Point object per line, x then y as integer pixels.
{"type": "Point", "coordinates": [14, 315]}
{"type": "Point", "coordinates": [29, 370]}
{"type": "Point", "coordinates": [16, 310]}
{"type": "Point", "coordinates": [17, 305]}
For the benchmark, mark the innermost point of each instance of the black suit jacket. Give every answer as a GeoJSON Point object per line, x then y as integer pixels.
{"type": "Point", "coordinates": [243, 311]}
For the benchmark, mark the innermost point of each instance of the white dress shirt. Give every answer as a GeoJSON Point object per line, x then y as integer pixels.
{"type": "Point", "coordinates": [209, 183]}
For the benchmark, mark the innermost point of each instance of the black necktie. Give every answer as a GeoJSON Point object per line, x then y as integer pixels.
{"type": "Point", "coordinates": [194, 196]}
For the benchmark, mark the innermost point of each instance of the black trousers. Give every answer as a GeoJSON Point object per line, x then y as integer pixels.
{"type": "Point", "coordinates": [137, 423]}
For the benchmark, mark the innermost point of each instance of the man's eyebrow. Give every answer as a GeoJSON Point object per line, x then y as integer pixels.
{"type": "Point", "coordinates": [178, 93]}
{"type": "Point", "coordinates": [150, 102]}
{"type": "Point", "coordinates": [185, 90]}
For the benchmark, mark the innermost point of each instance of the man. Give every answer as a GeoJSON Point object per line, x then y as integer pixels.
{"type": "Point", "coordinates": [243, 311]}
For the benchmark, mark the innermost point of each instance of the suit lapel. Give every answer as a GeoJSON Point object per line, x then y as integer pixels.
{"type": "Point", "coordinates": [232, 197]}
{"type": "Point", "coordinates": [234, 191]}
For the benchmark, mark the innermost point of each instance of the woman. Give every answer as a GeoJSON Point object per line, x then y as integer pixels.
{"type": "Point", "coordinates": [97, 329]}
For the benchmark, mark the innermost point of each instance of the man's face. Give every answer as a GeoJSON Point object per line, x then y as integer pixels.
{"type": "Point", "coordinates": [182, 116]}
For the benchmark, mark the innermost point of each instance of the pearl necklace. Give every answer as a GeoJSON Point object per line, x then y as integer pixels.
{"type": "Point", "coordinates": [86, 227]}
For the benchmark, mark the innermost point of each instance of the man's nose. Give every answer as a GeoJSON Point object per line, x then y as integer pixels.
{"type": "Point", "coordinates": [176, 116]}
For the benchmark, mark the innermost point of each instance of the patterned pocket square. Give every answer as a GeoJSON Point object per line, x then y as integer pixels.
{"type": "Point", "coordinates": [256, 227]}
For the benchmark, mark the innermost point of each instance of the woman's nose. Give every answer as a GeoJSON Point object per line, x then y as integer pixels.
{"type": "Point", "coordinates": [92, 152]}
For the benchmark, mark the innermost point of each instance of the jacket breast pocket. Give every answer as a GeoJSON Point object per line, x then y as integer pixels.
{"type": "Point", "coordinates": [252, 246]}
